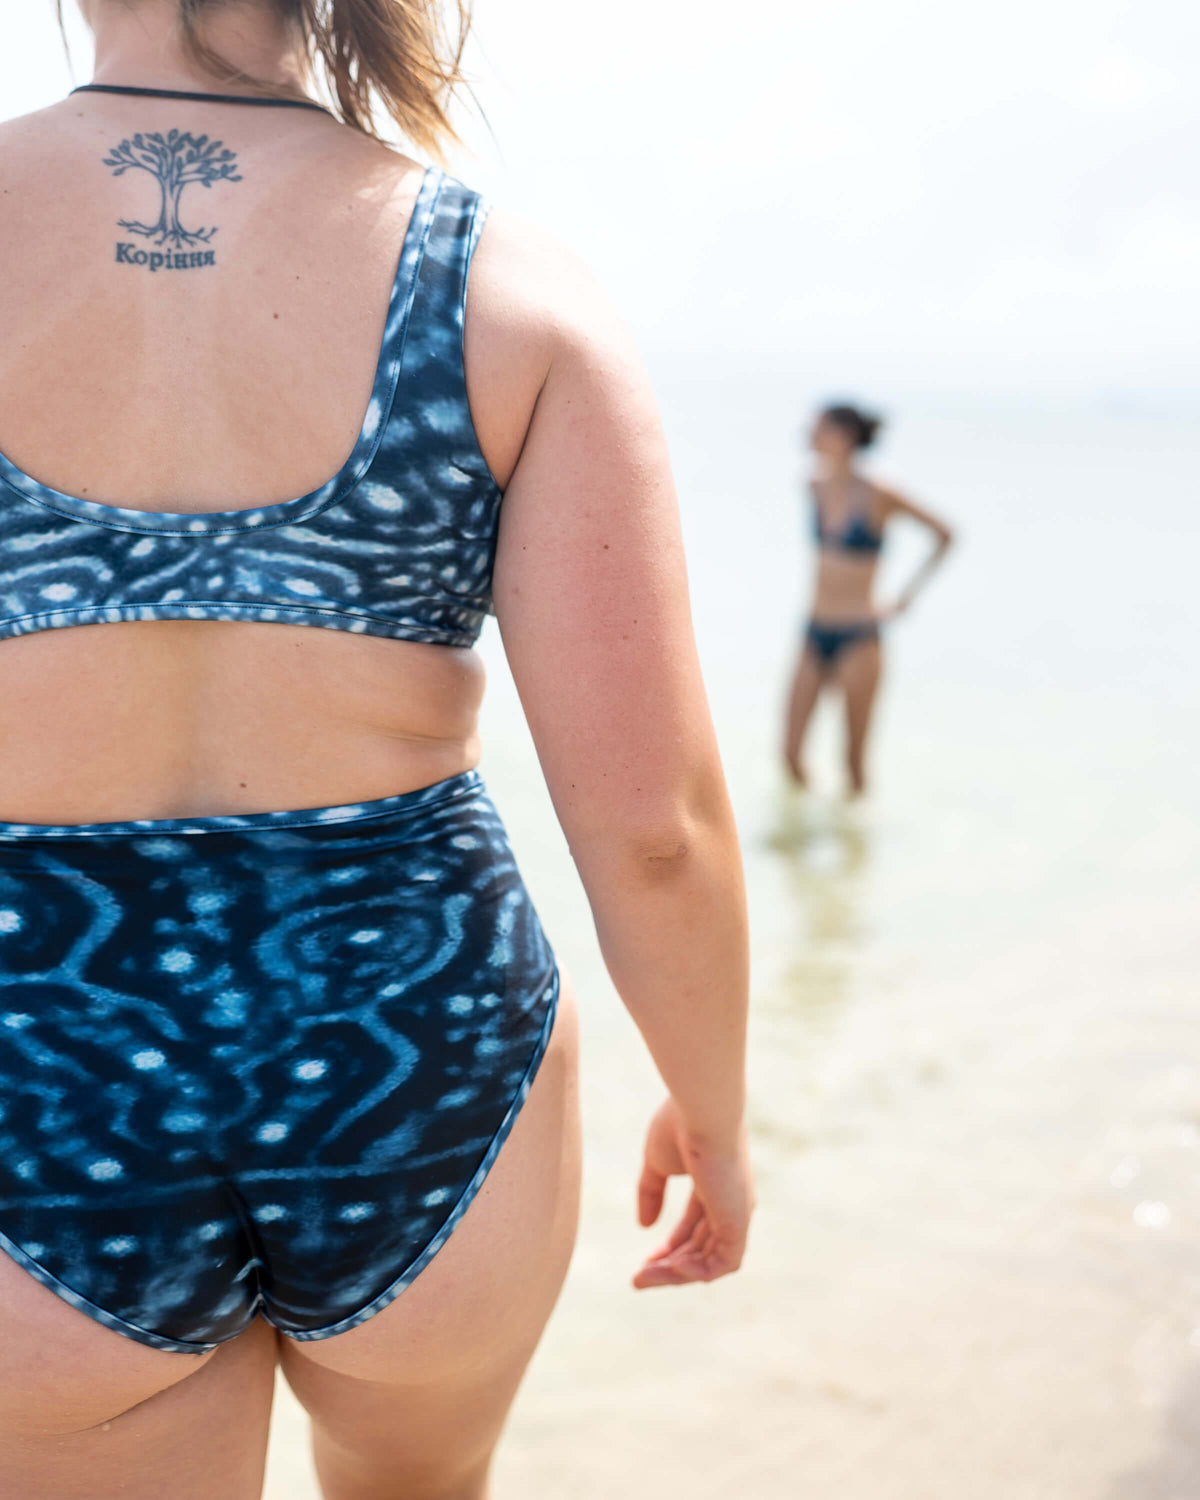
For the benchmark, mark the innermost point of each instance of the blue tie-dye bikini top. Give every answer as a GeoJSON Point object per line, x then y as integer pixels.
{"type": "Point", "coordinates": [400, 542]}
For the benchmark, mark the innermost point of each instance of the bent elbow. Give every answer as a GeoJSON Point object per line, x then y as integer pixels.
{"type": "Point", "coordinates": [659, 838]}
{"type": "Point", "coordinates": [642, 853]}
{"type": "Point", "coordinates": [663, 855]}
{"type": "Point", "coordinates": [687, 839]}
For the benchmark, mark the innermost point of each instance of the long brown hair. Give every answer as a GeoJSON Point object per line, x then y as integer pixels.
{"type": "Point", "coordinates": [399, 55]}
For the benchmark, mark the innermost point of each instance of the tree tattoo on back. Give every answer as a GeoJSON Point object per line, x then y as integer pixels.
{"type": "Point", "coordinates": [176, 160]}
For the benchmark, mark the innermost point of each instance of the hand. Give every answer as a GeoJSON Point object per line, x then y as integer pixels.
{"type": "Point", "coordinates": [888, 612]}
{"type": "Point", "coordinates": [710, 1239]}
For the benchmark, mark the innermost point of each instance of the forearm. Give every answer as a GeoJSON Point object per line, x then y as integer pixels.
{"type": "Point", "coordinates": [923, 574]}
{"type": "Point", "coordinates": [670, 914]}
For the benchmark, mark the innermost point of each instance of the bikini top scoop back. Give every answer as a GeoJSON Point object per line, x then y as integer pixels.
{"type": "Point", "coordinates": [400, 542]}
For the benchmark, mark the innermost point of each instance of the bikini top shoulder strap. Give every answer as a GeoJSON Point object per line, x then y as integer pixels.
{"type": "Point", "coordinates": [458, 216]}
{"type": "Point", "coordinates": [431, 414]}
{"type": "Point", "coordinates": [435, 325]}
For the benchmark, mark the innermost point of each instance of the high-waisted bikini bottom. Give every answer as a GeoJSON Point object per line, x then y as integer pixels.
{"type": "Point", "coordinates": [259, 1063]}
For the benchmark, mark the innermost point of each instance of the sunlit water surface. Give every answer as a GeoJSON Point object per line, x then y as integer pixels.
{"type": "Point", "coordinates": [976, 1080]}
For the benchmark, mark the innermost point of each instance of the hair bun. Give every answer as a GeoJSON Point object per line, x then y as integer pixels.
{"type": "Point", "coordinates": [860, 425]}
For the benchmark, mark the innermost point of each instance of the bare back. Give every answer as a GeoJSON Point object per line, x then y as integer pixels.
{"type": "Point", "coordinates": [235, 377]}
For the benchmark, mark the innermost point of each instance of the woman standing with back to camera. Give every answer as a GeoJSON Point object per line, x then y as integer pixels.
{"type": "Point", "coordinates": [287, 1070]}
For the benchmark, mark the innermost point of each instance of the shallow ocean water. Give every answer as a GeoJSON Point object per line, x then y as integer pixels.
{"type": "Point", "coordinates": [975, 1074]}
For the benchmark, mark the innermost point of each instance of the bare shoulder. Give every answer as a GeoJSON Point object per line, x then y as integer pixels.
{"type": "Point", "coordinates": [893, 502]}
{"type": "Point", "coordinates": [22, 128]}
{"type": "Point", "coordinates": [27, 141]}
{"type": "Point", "coordinates": [533, 307]}
{"type": "Point", "coordinates": [30, 147]}
{"type": "Point", "coordinates": [527, 281]}
{"type": "Point", "coordinates": [886, 497]}
{"type": "Point", "coordinates": [39, 132]}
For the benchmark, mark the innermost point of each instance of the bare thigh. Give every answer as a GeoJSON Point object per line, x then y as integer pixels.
{"type": "Point", "coordinates": [858, 677]}
{"type": "Point", "coordinates": [409, 1405]}
{"type": "Point", "coordinates": [807, 682]}
{"type": "Point", "coordinates": [88, 1414]}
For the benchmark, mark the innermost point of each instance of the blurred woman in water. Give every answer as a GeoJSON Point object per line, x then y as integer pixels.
{"type": "Point", "coordinates": [841, 646]}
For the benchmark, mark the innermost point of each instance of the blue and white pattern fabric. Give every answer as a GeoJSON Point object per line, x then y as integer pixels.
{"type": "Point", "coordinates": [399, 543]}
{"type": "Point", "coordinates": [259, 1063]}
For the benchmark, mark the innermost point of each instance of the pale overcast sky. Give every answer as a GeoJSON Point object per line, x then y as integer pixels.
{"type": "Point", "coordinates": [922, 192]}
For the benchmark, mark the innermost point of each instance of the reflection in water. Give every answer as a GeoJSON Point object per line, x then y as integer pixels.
{"type": "Point", "coordinates": [820, 851]}
{"type": "Point", "coordinates": [826, 848]}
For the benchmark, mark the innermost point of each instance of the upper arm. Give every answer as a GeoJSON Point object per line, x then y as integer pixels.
{"type": "Point", "coordinates": [590, 585]}
{"type": "Point", "coordinates": [900, 505]}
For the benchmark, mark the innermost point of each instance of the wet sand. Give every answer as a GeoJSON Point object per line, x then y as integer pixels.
{"type": "Point", "coordinates": [972, 1269]}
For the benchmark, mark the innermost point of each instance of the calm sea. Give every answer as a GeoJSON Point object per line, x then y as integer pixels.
{"type": "Point", "coordinates": [975, 1063]}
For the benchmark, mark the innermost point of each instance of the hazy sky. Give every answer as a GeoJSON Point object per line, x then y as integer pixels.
{"type": "Point", "coordinates": [927, 194]}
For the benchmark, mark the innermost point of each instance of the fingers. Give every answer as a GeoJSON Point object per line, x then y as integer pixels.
{"type": "Point", "coordinates": [686, 1265]}
{"type": "Point", "coordinates": [709, 1240]}
{"type": "Point", "coordinates": [695, 1252]}
{"type": "Point", "coordinates": [685, 1230]}
{"type": "Point", "coordinates": [652, 1187]}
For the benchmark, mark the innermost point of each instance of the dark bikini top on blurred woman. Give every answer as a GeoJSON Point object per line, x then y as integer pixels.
{"type": "Point", "coordinates": [399, 542]}
{"type": "Point", "coordinates": [857, 534]}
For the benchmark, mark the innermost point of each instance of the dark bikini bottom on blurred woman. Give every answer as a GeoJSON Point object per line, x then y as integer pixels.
{"type": "Point", "coordinates": [260, 1062]}
{"type": "Point", "coordinates": [830, 641]}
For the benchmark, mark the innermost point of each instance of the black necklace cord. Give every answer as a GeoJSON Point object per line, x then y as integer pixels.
{"type": "Point", "coordinates": [198, 98]}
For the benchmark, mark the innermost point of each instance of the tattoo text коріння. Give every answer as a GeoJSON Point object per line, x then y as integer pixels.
{"type": "Point", "coordinates": [176, 161]}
